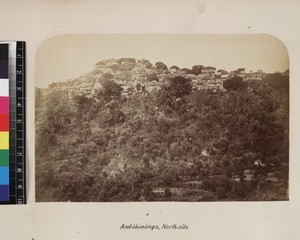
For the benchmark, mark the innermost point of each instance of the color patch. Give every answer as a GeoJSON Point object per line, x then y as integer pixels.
{"type": "Point", "coordinates": [4, 140]}
{"type": "Point", "coordinates": [4, 88]}
{"type": "Point", "coordinates": [4, 61]}
{"type": "Point", "coordinates": [4, 178]}
{"type": "Point", "coordinates": [4, 51]}
{"type": "Point", "coordinates": [4, 122]}
{"type": "Point", "coordinates": [4, 158]}
{"type": "Point", "coordinates": [4, 193]}
{"type": "Point", "coordinates": [4, 105]}
{"type": "Point", "coordinates": [3, 68]}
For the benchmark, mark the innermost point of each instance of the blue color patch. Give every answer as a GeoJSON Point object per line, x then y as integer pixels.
{"type": "Point", "coordinates": [4, 176]}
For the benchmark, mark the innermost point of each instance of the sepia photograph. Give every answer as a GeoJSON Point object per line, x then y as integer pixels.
{"type": "Point", "coordinates": [163, 117]}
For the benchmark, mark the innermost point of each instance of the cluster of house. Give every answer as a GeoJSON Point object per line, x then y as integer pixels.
{"type": "Point", "coordinates": [136, 76]}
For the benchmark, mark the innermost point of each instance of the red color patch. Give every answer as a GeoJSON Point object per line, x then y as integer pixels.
{"type": "Point", "coordinates": [4, 122]}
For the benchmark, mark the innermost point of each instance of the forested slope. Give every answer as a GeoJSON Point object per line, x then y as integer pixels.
{"type": "Point", "coordinates": [169, 145]}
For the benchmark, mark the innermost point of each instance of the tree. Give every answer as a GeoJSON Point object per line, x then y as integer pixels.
{"type": "Point", "coordinates": [187, 71]}
{"type": "Point", "coordinates": [146, 63]}
{"type": "Point", "coordinates": [161, 66]}
{"type": "Point", "coordinates": [197, 69]}
{"type": "Point", "coordinates": [110, 89]}
{"type": "Point", "coordinates": [83, 104]}
{"type": "Point", "coordinates": [128, 60]}
{"type": "Point", "coordinates": [108, 75]}
{"type": "Point", "coordinates": [116, 67]}
{"type": "Point", "coordinates": [234, 84]}
{"type": "Point", "coordinates": [174, 67]}
{"type": "Point", "coordinates": [38, 97]}
{"type": "Point", "coordinates": [173, 89]}
{"type": "Point", "coordinates": [180, 86]}
{"type": "Point", "coordinates": [277, 81]}
{"type": "Point", "coordinates": [168, 193]}
{"type": "Point", "coordinates": [152, 77]}
{"type": "Point", "coordinates": [138, 86]}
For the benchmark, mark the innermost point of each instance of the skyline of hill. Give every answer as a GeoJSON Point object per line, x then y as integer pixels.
{"type": "Point", "coordinates": [68, 56]}
{"type": "Point", "coordinates": [113, 65]}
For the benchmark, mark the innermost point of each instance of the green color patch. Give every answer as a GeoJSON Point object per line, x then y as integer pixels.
{"type": "Point", "coordinates": [4, 158]}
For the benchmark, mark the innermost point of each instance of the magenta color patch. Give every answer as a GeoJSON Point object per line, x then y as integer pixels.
{"type": "Point", "coordinates": [4, 105]}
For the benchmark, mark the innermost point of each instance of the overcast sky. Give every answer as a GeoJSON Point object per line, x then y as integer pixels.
{"type": "Point", "coordinates": [69, 56]}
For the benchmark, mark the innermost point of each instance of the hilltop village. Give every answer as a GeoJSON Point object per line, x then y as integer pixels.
{"type": "Point", "coordinates": [140, 75]}
{"type": "Point", "coordinates": [130, 130]}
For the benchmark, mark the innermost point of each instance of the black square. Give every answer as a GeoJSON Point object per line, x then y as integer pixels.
{"type": "Point", "coordinates": [3, 51]}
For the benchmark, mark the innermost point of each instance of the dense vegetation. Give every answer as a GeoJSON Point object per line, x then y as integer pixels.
{"type": "Point", "coordinates": [174, 144]}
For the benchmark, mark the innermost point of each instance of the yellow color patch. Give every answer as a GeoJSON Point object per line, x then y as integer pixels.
{"type": "Point", "coordinates": [4, 140]}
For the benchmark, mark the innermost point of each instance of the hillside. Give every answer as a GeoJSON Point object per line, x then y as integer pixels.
{"type": "Point", "coordinates": [134, 131]}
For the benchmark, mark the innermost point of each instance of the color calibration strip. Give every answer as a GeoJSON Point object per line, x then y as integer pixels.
{"type": "Point", "coordinates": [4, 123]}
{"type": "Point", "coordinates": [13, 139]}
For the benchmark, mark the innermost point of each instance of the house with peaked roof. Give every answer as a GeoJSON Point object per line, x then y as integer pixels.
{"type": "Point", "coordinates": [249, 175]}
{"type": "Point", "coordinates": [208, 70]}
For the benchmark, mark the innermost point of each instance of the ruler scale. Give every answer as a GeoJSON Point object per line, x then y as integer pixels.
{"type": "Point", "coordinates": [17, 136]}
{"type": "Point", "coordinates": [20, 123]}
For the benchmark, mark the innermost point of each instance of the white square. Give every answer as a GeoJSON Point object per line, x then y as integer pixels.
{"type": "Point", "coordinates": [12, 53]}
{"type": "Point", "coordinates": [4, 87]}
{"type": "Point", "coordinates": [13, 45]}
